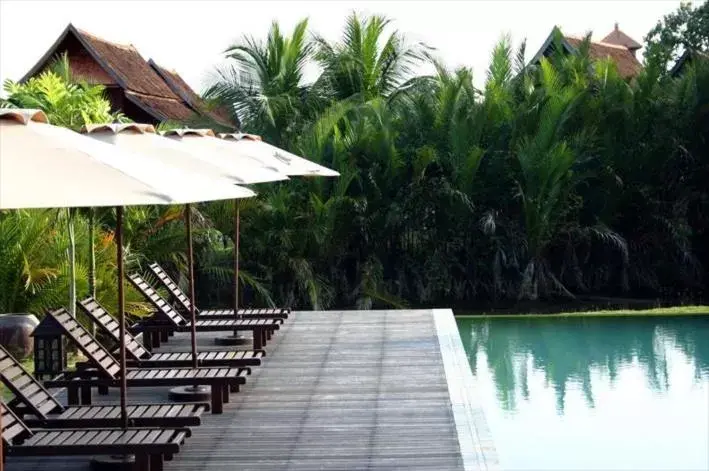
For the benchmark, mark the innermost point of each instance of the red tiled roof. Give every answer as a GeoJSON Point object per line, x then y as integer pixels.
{"type": "Point", "coordinates": [161, 107]}
{"type": "Point", "coordinates": [628, 65]}
{"type": "Point", "coordinates": [619, 38]}
{"type": "Point", "coordinates": [126, 62]}
{"type": "Point", "coordinates": [114, 64]}
{"type": "Point", "coordinates": [181, 88]}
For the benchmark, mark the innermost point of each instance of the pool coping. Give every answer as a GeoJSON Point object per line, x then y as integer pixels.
{"type": "Point", "coordinates": [474, 437]}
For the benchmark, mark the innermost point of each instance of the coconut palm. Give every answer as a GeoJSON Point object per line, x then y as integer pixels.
{"type": "Point", "coordinates": [368, 62]}
{"type": "Point", "coordinates": [263, 85]}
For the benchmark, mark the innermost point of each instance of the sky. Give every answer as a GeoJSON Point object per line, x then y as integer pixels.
{"type": "Point", "coordinates": [190, 36]}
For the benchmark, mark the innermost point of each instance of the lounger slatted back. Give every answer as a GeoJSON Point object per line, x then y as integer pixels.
{"type": "Point", "coordinates": [101, 317]}
{"type": "Point", "coordinates": [25, 387]}
{"type": "Point", "coordinates": [40, 403]}
{"type": "Point", "coordinates": [158, 301]}
{"type": "Point", "coordinates": [262, 328]}
{"type": "Point", "coordinates": [13, 429]}
{"type": "Point", "coordinates": [137, 351]}
{"type": "Point", "coordinates": [171, 286]}
{"type": "Point", "coordinates": [225, 378]}
{"type": "Point", "coordinates": [149, 445]}
{"type": "Point", "coordinates": [87, 343]}
{"type": "Point", "coordinates": [185, 304]}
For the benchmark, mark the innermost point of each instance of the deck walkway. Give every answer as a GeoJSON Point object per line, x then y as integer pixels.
{"type": "Point", "coordinates": [339, 390]}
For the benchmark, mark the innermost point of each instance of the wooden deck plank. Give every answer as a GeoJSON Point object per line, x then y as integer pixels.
{"type": "Point", "coordinates": [339, 390]}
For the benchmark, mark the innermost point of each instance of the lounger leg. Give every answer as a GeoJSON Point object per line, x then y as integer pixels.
{"type": "Point", "coordinates": [258, 339]}
{"type": "Point", "coordinates": [224, 388]}
{"type": "Point", "coordinates": [156, 339]}
{"type": "Point", "coordinates": [156, 463]}
{"type": "Point", "coordinates": [234, 388]}
{"type": "Point", "coordinates": [86, 395]}
{"type": "Point", "coordinates": [217, 401]}
{"type": "Point", "coordinates": [142, 462]}
{"type": "Point", "coordinates": [103, 390]}
{"type": "Point", "coordinates": [164, 335]}
{"type": "Point", "coordinates": [269, 334]}
{"type": "Point", "coordinates": [264, 336]}
{"type": "Point", "coordinates": [72, 395]}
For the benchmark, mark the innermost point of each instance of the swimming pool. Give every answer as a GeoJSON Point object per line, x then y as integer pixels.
{"type": "Point", "coordinates": [593, 392]}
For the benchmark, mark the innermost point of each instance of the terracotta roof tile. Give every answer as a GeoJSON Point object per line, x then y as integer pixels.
{"type": "Point", "coordinates": [619, 38]}
{"type": "Point", "coordinates": [181, 88]}
{"type": "Point", "coordinates": [160, 93]}
{"type": "Point", "coordinates": [628, 65]}
{"type": "Point", "coordinates": [126, 62]}
{"type": "Point", "coordinates": [166, 108]}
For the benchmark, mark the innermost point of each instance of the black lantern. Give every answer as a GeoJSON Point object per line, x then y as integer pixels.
{"type": "Point", "coordinates": [50, 356]}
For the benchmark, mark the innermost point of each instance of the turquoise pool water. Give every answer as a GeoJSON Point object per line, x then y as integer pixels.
{"type": "Point", "coordinates": [587, 393]}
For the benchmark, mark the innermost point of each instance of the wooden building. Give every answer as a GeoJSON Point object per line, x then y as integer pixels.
{"type": "Point", "coordinates": [617, 46]}
{"type": "Point", "coordinates": [140, 89]}
{"type": "Point", "coordinates": [689, 57]}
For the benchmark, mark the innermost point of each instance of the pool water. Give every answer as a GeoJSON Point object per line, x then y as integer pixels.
{"type": "Point", "coordinates": [591, 393]}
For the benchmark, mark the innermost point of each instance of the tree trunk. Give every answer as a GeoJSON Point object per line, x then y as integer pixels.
{"type": "Point", "coordinates": [92, 254]}
{"type": "Point", "coordinates": [92, 261]}
{"type": "Point", "coordinates": [72, 263]}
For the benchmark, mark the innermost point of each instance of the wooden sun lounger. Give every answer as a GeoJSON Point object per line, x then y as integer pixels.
{"type": "Point", "coordinates": [151, 446]}
{"type": "Point", "coordinates": [140, 356]}
{"type": "Point", "coordinates": [184, 303]}
{"type": "Point", "coordinates": [167, 319]}
{"type": "Point", "coordinates": [45, 411]}
{"type": "Point", "coordinates": [106, 370]}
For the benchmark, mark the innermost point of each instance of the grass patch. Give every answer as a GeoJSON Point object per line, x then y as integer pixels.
{"type": "Point", "coordinates": [28, 364]}
{"type": "Point", "coordinates": [660, 311]}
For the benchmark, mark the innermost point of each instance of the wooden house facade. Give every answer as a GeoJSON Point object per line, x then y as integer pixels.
{"type": "Point", "coordinates": [140, 89]}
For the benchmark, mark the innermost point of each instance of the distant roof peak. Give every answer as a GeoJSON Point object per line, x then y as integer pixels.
{"type": "Point", "coordinates": [619, 38]}
{"type": "Point", "coordinates": [601, 43]}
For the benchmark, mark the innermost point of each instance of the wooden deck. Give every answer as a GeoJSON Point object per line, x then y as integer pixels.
{"type": "Point", "coordinates": [339, 390]}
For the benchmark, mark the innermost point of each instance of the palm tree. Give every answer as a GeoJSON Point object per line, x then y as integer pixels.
{"type": "Point", "coordinates": [264, 87]}
{"type": "Point", "coordinates": [546, 157]}
{"type": "Point", "coordinates": [367, 63]}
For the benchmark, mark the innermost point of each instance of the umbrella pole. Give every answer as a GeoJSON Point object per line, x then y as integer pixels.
{"type": "Point", "coordinates": [196, 392]}
{"type": "Point", "coordinates": [2, 458]}
{"type": "Point", "coordinates": [237, 234]}
{"type": "Point", "coordinates": [119, 462]}
{"type": "Point", "coordinates": [190, 275]}
{"type": "Point", "coordinates": [121, 314]}
{"type": "Point", "coordinates": [235, 339]}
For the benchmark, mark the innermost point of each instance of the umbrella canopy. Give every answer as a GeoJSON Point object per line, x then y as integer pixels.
{"type": "Point", "coordinates": [45, 166]}
{"type": "Point", "coordinates": [286, 162]}
{"type": "Point", "coordinates": [203, 144]}
{"type": "Point", "coordinates": [198, 162]}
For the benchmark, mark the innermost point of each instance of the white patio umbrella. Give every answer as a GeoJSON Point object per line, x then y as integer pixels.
{"type": "Point", "coordinates": [253, 146]}
{"type": "Point", "coordinates": [292, 165]}
{"type": "Point", "coordinates": [44, 166]}
{"type": "Point", "coordinates": [198, 163]}
{"type": "Point", "coordinates": [249, 148]}
{"type": "Point", "coordinates": [194, 150]}
{"type": "Point", "coordinates": [178, 150]}
{"type": "Point", "coordinates": [202, 142]}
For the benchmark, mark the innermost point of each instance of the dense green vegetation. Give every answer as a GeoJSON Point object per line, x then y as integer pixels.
{"type": "Point", "coordinates": [551, 180]}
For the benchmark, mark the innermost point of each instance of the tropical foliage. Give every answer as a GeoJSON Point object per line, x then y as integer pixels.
{"type": "Point", "coordinates": [556, 179]}
{"type": "Point", "coordinates": [559, 179]}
